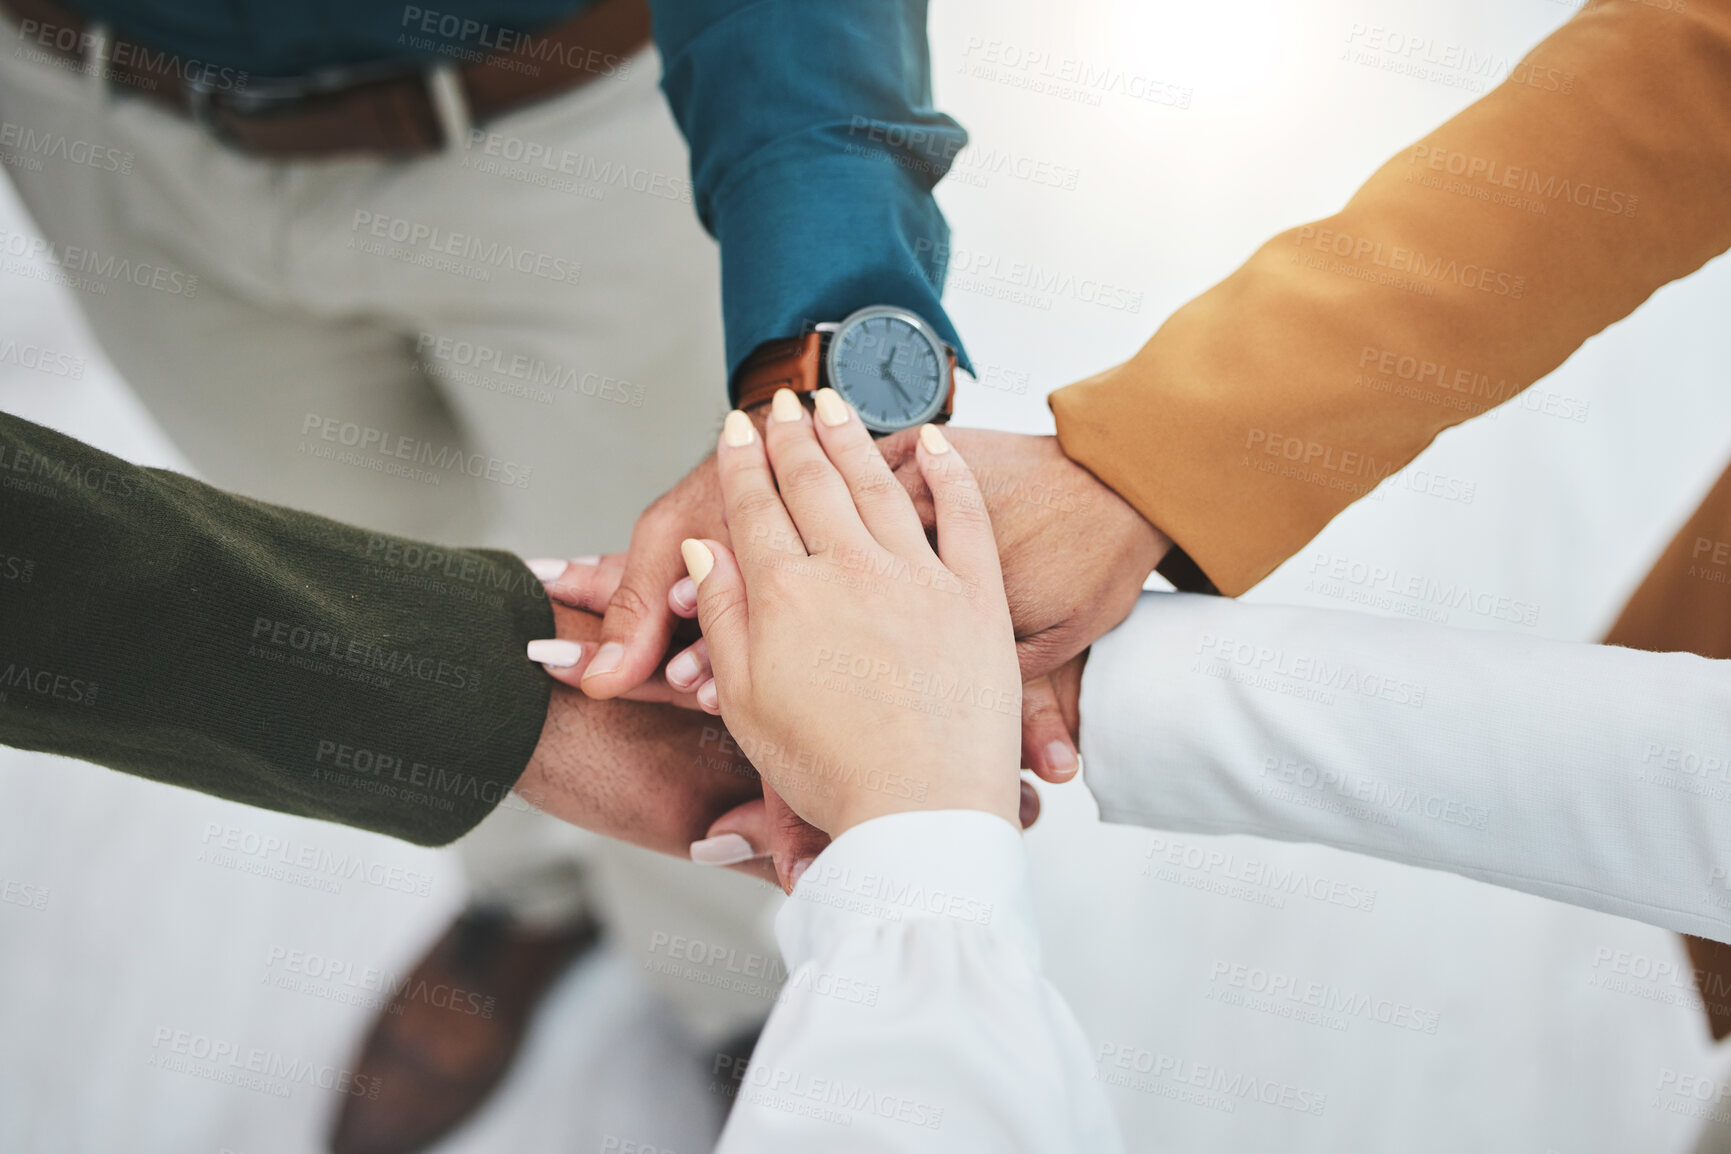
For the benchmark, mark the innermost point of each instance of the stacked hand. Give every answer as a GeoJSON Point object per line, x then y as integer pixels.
{"type": "Point", "coordinates": [864, 672]}
{"type": "Point", "coordinates": [1074, 554]}
{"type": "Point", "coordinates": [1074, 557]}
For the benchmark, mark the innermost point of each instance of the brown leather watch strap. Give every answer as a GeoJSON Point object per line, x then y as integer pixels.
{"type": "Point", "coordinates": [789, 363]}
{"type": "Point", "coordinates": [797, 363]}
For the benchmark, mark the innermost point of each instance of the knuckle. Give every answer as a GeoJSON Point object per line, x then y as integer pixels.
{"type": "Point", "coordinates": [756, 502]}
{"type": "Point", "coordinates": [805, 475]}
{"type": "Point", "coordinates": [628, 603]}
{"type": "Point", "coordinates": [877, 483]}
{"type": "Point", "coordinates": [966, 510]}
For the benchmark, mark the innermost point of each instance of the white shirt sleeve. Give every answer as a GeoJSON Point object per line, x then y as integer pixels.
{"type": "Point", "coordinates": [1583, 773]}
{"type": "Point", "coordinates": [915, 1016]}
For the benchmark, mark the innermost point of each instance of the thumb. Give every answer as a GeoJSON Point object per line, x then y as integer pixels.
{"type": "Point", "coordinates": [721, 611]}
{"type": "Point", "coordinates": [793, 842]}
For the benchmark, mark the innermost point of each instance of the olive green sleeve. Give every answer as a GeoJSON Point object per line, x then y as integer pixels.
{"type": "Point", "coordinates": [158, 626]}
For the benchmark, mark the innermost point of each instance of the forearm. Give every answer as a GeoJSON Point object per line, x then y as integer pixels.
{"type": "Point", "coordinates": [814, 151]}
{"type": "Point", "coordinates": [1585, 774]}
{"type": "Point", "coordinates": [1468, 267]}
{"type": "Point", "coordinates": [180, 633]}
{"type": "Point", "coordinates": [914, 1011]}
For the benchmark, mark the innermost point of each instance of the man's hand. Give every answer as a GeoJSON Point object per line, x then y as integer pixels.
{"type": "Point", "coordinates": [1075, 555]}
{"type": "Point", "coordinates": [640, 618]}
{"type": "Point", "coordinates": [651, 774]}
{"type": "Point", "coordinates": [1052, 714]}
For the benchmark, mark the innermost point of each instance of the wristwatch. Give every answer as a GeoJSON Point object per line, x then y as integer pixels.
{"type": "Point", "coordinates": [890, 365]}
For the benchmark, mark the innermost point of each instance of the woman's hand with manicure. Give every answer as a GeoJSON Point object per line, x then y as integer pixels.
{"type": "Point", "coordinates": [861, 671]}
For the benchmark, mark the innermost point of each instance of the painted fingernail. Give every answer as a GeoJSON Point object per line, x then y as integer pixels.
{"type": "Point", "coordinates": [586, 559]}
{"type": "Point", "coordinates": [798, 871]}
{"type": "Point", "coordinates": [684, 595]}
{"type": "Point", "coordinates": [546, 568]}
{"type": "Point", "coordinates": [555, 654]}
{"type": "Point", "coordinates": [723, 850]}
{"type": "Point", "coordinates": [709, 697]}
{"type": "Point", "coordinates": [698, 559]}
{"type": "Point", "coordinates": [683, 670]}
{"type": "Point", "coordinates": [607, 659]}
{"type": "Point", "coordinates": [786, 406]}
{"type": "Point", "coordinates": [737, 430]}
{"type": "Point", "coordinates": [831, 409]}
{"type": "Point", "coordinates": [1060, 758]}
{"type": "Point", "coordinates": [933, 440]}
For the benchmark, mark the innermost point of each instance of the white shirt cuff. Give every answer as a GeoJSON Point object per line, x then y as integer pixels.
{"type": "Point", "coordinates": [961, 864]}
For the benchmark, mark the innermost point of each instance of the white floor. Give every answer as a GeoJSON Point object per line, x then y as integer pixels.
{"type": "Point", "coordinates": [148, 940]}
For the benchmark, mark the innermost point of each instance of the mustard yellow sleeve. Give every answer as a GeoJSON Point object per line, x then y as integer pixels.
{"type": "Point", "coordinates": [1469, 266]}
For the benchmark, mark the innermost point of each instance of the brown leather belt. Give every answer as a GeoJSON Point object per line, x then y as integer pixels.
{"type": "Point", "coordinates": [400, 109]}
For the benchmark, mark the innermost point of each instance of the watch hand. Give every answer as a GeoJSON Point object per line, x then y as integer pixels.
{"type": "Point", "coordinates": [884, 370]}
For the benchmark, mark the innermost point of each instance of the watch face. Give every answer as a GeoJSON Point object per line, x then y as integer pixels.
{"type": "Point", "coordinates": [890, 366]}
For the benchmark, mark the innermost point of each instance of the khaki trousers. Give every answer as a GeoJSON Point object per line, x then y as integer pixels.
{"type": "Point", "coordinates": [516, 343]}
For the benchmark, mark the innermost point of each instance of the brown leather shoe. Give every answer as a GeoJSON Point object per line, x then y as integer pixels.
{"type": "Point", "coordinates": [449, 1034]}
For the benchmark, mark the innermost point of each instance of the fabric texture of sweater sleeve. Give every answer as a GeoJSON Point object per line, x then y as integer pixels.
{"type": "Point", "coordinates": [158, 626]}
{"type": "Point", "coordinates": [1468, 267]}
